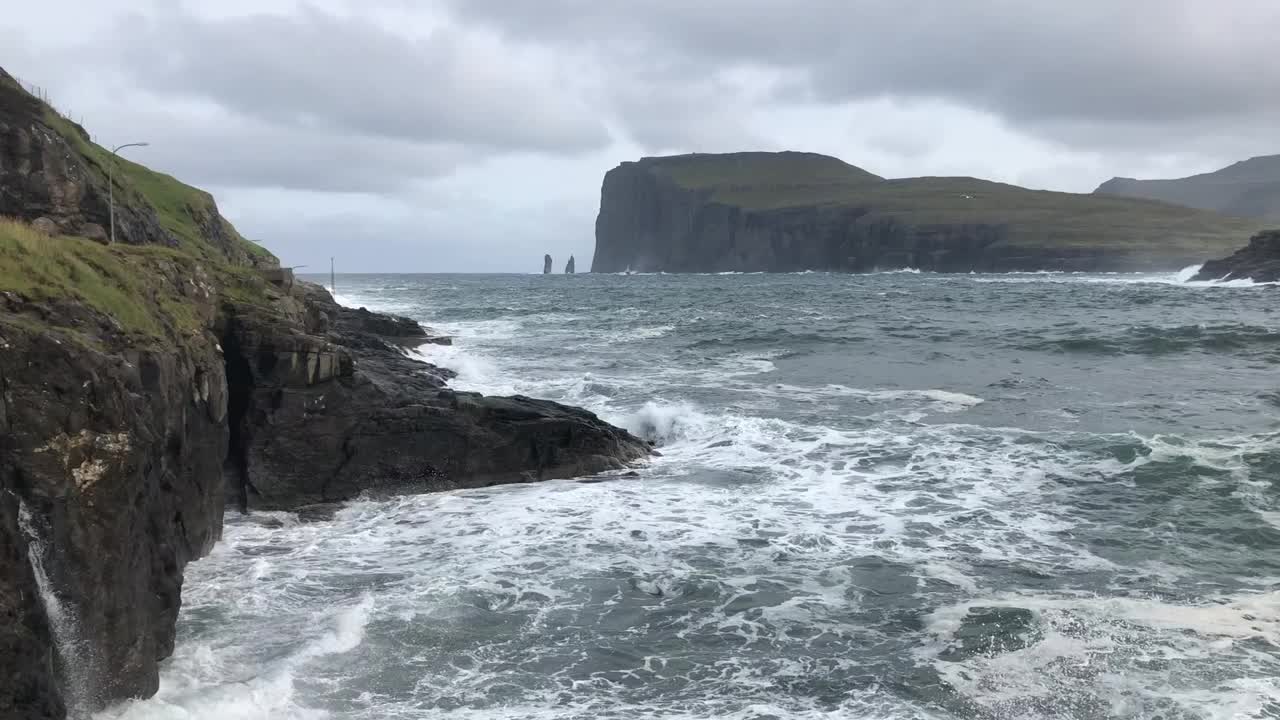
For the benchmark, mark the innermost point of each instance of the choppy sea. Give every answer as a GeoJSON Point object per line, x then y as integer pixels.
{"type": "Point", "coordinates": [898, 495]}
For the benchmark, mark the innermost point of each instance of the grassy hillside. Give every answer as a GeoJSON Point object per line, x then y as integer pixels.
{"type": "Point", "coordinates": [119, 282]}
{"type": "Point", "coordinates": [1250, 188]}
{"type": "Point", "coordinates": [783, 170]}
{"type": "Point", "coordinates": [767, 181]}
{"type": "Point", "coordinates": [189, 214]}
{"type": "Point", "coordinates": [144, 293]}
{"type": "Point", "coordinates": [124, 293]}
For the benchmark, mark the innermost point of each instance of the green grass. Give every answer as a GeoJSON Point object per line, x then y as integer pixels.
{"type": "Point", "coordinates": [780, 170]}
{"type": "Point", "coordinates": [135, 286]}
{"type": "Point", "coordinates": [182, 210]}
{"type": "Point", "coordinates": [152, 295]}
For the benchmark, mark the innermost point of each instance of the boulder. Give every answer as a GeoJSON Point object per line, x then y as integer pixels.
{"type": "Point", "coordinates": [45, 225]}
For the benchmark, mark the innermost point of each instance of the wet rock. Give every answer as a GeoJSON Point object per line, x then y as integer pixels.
{"type": "Point", "coordinates": [117, 455]}
{"type": "Point", "coordinates": [319, 512]}
{"type": "Point", "coordinates": [991, 631]}
{"type": "Point", "coordinates": [1258, 261]}
{"type": "Point", "coordinates": [373, 419]}
{"type": "Point", "coordinates": [45, 225]}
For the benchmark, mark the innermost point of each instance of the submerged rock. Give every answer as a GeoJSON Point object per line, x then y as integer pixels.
{"type": "Point", "coordinates": [1258, 261]}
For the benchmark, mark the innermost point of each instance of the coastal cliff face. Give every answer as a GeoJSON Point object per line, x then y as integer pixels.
{"type": "Point", "coordinates": [784, 212]}
{"type": "Point", "coordinates": [145, 384]}
{"type": "Point", "coordinates": [1258, 261]}
{"type": "Point", "coordinates": [110, 477]}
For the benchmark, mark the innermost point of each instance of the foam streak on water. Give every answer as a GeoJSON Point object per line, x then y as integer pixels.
{"type": "Point", "coordinates": [893, 496]}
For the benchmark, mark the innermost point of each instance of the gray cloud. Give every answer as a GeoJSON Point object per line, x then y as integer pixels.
{"type": "Point", "coordinates": [1061, 70]}
{"type": "Point", "coordinates": [318, 71]}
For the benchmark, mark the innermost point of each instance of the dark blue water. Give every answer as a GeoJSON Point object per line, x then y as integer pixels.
{"type": "Point", "coordinates": [882, 496]}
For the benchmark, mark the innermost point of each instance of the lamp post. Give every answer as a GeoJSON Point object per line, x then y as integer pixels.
{"type": "Point", "coordinates": [111, 185]}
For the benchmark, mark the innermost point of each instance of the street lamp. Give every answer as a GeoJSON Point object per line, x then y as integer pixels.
{"type": "Point", "coordinates": [111, 185]}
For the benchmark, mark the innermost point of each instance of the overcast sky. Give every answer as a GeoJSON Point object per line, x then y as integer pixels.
{"type": "Point", "coordinates": [472, 135]}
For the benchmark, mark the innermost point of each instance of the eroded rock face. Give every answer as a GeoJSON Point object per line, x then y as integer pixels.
{"type": "Point", "coordinates": [328, 417]}
{"type": "Point", "coordinates": [546, 264]}
{"type": "Point", "coordinates": [124, 457]}
{"type": "Point", "coordinates": [117, 456]}
{"type": "Point", "coordinates": [1258, 261]}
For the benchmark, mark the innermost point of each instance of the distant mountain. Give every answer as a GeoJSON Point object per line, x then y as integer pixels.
{"type": "Point", "coordinates": [1250, 188]}
{"type": "Point", "coordinates": [791, 211]}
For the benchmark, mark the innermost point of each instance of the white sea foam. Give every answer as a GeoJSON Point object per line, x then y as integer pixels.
{"type": "Point", "coordinates": [201, 682]}
{"type": "Point", "coordinates": [1182, 278]}
{"type": "Point", "coordinates": [1123, 653]}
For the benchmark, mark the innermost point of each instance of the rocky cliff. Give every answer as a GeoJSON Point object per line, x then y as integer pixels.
{"type": "Point", "coordinates": [781, 212]}
{"type": "Point", "coordinates": [325, 405]}
{"type": "Point", "coordinates": [144, 384]}
{"type": "Point", "coordinates": [113, 448]}
{"type": "Point", "coordinates": [1258, 261]}
{"type": "Point", "coordinates": [1250, 188]}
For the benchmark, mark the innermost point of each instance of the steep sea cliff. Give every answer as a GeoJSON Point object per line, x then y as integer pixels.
{"type": "Point", "coordinates": [786, 212]}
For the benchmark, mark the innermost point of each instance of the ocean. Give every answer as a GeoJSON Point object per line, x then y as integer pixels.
{"type": "Point", "coordinates": [884, 496]}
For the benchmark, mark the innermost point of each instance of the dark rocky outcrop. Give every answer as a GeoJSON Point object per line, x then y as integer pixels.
{"type": "Point", "coordinates": [1258, 261]}
{"type": "Point", "coordinates": [546, 264]}
{"type": "Point", "coordinates": [784, 212]}
{"type": "Point", "coordinates": [1250, 188]}
{"type": "Point", "coordinates": [569, 268]}
{"type": "Point", "coordinates": [336, 409]}
{"type": "Point", "coordinates": [126, 452]}
{"type": "Point", "coordinates": [116, 453]}
{"type": "Point", "coordinates": [141, 389]}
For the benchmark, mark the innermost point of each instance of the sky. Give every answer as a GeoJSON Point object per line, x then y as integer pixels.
{"type": "Point", "coordinates": [473, 135]}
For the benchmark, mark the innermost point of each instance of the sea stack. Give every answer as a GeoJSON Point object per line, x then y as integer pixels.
{"type": "Point", "coordinates": [568, 268]}
{"type": "Point", "coordinates": [546, 264]}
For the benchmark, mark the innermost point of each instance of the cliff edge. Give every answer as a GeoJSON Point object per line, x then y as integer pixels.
{"type": "Point", "coordinates": [146, 384]}
{"type": "Point", "coordinates": [786, 212]}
